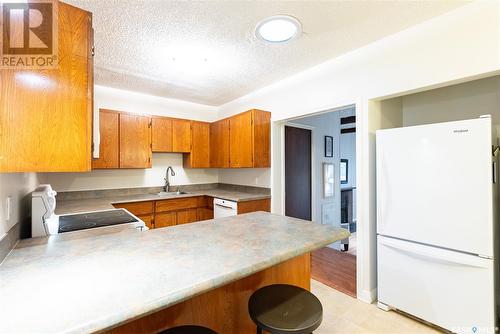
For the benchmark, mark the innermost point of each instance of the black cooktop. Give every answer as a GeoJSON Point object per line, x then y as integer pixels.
{"type": "Point", "coordinates": [83, 221]}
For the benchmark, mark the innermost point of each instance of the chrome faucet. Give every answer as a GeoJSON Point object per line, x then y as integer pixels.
{"type": "Point", "coordinates": [166, 187]}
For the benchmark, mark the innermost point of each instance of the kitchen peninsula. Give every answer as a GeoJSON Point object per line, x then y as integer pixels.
{"type": "Point", "coordinates": [129, 281]}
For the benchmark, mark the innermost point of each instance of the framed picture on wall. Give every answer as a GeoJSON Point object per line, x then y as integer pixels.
{"type": "Point", "coordinates": [328, 180]}
{"type": "Point", "coordinates": [328, 146]}
{"type": "Point", "coordinates": [344, 165]}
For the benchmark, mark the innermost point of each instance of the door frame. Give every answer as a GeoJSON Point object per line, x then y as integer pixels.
{"type": "Point", "coordinates": [282, 163]}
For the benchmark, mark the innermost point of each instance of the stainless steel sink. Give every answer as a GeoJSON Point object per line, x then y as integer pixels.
{"type": "Point", "coordinates": [170, 193]}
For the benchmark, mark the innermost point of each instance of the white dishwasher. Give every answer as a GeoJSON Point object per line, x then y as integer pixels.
{"type": "Point", "coordinates": [224, 208]}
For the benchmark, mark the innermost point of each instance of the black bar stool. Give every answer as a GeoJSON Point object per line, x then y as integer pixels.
{"type": "Point", "coordinates": [188, 330]}
{"type": "Point", "coordinates": [285, 309]}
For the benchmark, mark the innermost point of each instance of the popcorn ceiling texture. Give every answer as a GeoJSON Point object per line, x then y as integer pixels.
{"type": "Point", "coordinates": [206, 52]}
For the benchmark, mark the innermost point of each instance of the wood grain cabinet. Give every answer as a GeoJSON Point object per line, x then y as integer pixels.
{"type": "Point", "coordinates": [125, 140]}
{"type": "Point", "coordinates": [199, 157]}
{"type": "Point", "coordinates": [219, 144]}
{"type": "Point", "coordinates": [178, 211]}
{"type": "Point", "coordinates": [135, 141]}
{"type": "Point", "coordinates": [171, 135]}
{"type": "Point", "coordinates": [181, 135]}
{"type": "Point", "coordinates": [109, 147]}
{"type": "Point", "coordinates": [250, 139]}
{"type": "Point", "coordinates": [162, 135]}
{"type": "Point", "coordinates": [46, 115]}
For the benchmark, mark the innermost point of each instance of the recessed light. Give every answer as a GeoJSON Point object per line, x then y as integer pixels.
{"type": "Point", "coordinates": [278, 29]}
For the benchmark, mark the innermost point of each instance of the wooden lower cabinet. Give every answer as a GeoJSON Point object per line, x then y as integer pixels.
{"type": "Point", "coordinates": [252, 206]}
{"type": "Point", "coordinates": [178, 211]}
{"type": "Point", "coordinates": [165, 219]}
{"type": "Point", "coordinates": [148, 220]}
{"type": "Point", "coordinates": [204, 214]}
{"type": "Point", "coordinates": [137, 208]}
{"type": "Point", "coordinates": [186, 216]}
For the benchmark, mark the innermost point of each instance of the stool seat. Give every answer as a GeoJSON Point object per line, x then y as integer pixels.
{"type": "Point", "coordinates": [285, 309]}
{"type": "Point", "coordinates": [188, 330]}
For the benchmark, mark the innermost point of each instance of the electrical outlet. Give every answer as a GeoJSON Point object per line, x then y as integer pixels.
{"type": "Point", "coordinates": [8, 208]}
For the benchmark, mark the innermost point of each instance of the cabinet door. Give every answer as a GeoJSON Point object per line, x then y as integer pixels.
{"type": "Point", "coordinates": [136, 208]}
{"type": "Point", "coordinates": [240, 140]}
{"type": "Point", "coordinates": [204, 214]}
{"type": "Point", "coordinates": [135, 141]}
{"type": "Point", "coordinates": [181, 135]}
{"type": "Point", "coordinates": [46, 114]}
{"type": "Point", "coordinates": [109, 154]}
{"type": "Point", "coordinates": [161, 132]}
{"type": "Point", "coordinates": [252, 206]}
{"type": "Point", "coordinates": [165, 219]}
{"type": "Point", "coordinates": [261, 139]}
{"type": "Point", "coordinates": [200, 148]}
{"type": "Point", "coordinates": [148, 220]}
{"type": "Point", "coordinates": [219, 144]}
{"type": "Point", "coordinates": [186, 216]}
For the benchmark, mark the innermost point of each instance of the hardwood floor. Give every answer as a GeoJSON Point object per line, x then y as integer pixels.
{"type": "Point", "coordinates": [335, 269]}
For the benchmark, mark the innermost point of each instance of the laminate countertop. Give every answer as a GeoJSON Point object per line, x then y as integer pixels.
{"type": "Point", "coordinates": [98, 279]}
{"type": "Point", "coordinates": [66, 206]}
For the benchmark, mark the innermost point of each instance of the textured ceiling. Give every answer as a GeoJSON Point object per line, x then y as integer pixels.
{"type": "Point", "coordinates": [206, 52]}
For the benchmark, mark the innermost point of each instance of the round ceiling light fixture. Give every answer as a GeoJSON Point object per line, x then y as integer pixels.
{"type": "Point", "coordinates": [278, 29]}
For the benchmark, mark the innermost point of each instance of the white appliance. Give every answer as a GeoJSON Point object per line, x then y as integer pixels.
{"type": "Point", "coordinates": [43, 204]}
{"type": "Point", "coordinates": [436, 223]}
{"type": "Point", "coordinates": [224, 208]}
{"type": "Point", "coordinates": [44, 222]}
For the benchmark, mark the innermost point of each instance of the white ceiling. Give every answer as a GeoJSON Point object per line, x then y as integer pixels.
{"type": "Point", "coordinates": [206, 52]}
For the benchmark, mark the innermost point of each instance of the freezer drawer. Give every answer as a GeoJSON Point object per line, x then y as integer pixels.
{"type": "Point", "coordinates": [450, 289]}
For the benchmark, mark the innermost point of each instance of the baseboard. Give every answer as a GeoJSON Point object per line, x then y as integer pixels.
{"type": "Point", "coordinates": [9, 241]}
{"type": "Point", "coordinates": [367, 296]}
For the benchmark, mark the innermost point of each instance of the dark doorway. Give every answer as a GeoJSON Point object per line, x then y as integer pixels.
{"type": "Point", "coordinates": [298, 172]}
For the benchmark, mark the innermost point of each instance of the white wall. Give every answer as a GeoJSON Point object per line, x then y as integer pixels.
{"type": "Point", "coordinates": [457, 102]}
{"type": "Point", "coordinates": [116, 99]}
{"type": "Point", "coordinates": [256, 177]}
{"type": "Point", "coordinates": [17, 186]}
{"type": "Point", "coordinates": [132, 178]}
{"type": "Point", "coordinates": [458, 46]}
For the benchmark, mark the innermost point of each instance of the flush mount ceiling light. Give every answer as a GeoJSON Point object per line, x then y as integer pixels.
{"type": "Point", "coordinates": [278, 29]}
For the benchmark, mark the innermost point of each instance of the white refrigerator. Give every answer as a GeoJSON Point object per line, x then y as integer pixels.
{"type": "Point", "coordinates": [436, 197]}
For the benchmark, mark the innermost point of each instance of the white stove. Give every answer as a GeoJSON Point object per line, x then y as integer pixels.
{"type": "Point", "coordinates": [44, 222]}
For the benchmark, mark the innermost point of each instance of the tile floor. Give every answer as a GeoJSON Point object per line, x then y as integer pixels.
{"type": "Point", "coordinates": [346, 315]}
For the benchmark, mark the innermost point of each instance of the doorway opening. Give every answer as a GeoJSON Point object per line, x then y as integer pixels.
{"type": "Point", "coordinates": [320, 185]}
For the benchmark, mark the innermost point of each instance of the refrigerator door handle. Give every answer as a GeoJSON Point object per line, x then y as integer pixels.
{"type": "Point", "coordinates": [435, 254]}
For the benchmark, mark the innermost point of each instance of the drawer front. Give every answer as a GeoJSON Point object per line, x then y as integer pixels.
{"type": "Point", "coordinates": [179, 204]}
{"type": "Point", "coordinates": [187, 216]}
{"type": "Point", "coordinates": [137, 208]}
{"type": "Point", "coordinates": [147, 219]}
{"type": "Point", "coordinates": [252, 206]}
{"type": "Point", "coordinates": [165, 219]}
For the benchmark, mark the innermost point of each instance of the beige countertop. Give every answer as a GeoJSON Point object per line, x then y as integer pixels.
{"type": "Point", "coordinates": [77, 205]}
{"type": "Point", "coordinates": [94, 280]}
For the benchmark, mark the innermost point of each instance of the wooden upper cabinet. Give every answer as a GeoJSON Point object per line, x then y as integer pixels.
{"type": "Point", "coordinates": [219, 144]}
{"type": "Point", "coordinates": [250, 139]}
{"type": "Point", "coordinates": [109, 154]}
{"type": "Point", "coordinates": [46, 114]}
{"type": "Point", "coordinates": [241, 140]}
{"type": "Point", "coordinates": [181, 135]}
{"type": "Point", "coordinates": [162, 136]}
{"type": "Point", "coordinates": [135, 141]}
{"type": "Point", "coordinates": [199, 157]}
{"type": "Point", "coordinates": [261, 138]}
